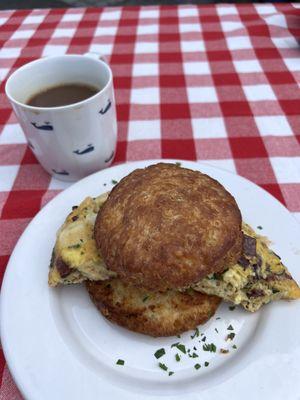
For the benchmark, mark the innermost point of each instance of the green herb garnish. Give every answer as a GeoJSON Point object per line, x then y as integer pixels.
{"type": "Point", "coordinates": [195, 355]}
{"type": "Point", "coordinates": [74, 246]}
{"type": "Point", "coordinates": [163, 366]}
{"type": "Point", "coordinates": [234, 346]}
{"type": "Point", "coordinates": [203, 339]}
{"type": "Point", "coordinates": [197, 366]}
{"type": "Point", "coordinates": [177, 357]}
{"type": "Point", "coordinates": [195, 348]}
{"type": "Point", "coordinates": [181, 347]}
{"type": "Point", "coordinates": [195, 334]}
{"type": "Point", "coordinates": [231, 308]}
{"type": "Point", "coordinates": [159, 353]}
{"type": "Point", "coordinates": [171, 373]}
{"type": "Point", "coordinates": [114, 182]}
{"type": "Point", "coordinates": [104, 184]}
{"type": "Point", "coordinates": [178, 336]}
{"type": "Point", "coordinates": [230, 328]}
{"type": "Point", "coordinates": [259, 227]}
{"type": "Point", "coordinates": [216, 330]}
{"type": "Point", "coordinates": [120, 362]}
{"type": "Point", "coordinates": [175, 344]}
{"type": "Point", "coordinates": [178, 164]}
{"type": "Point", "coordinates": [209, 347]}
{"type": "Point", "coordinates": [206, 364]}
{"type": "Point", "coordinates": [218, 318]}
{"type": "Point", "coordinates": [145, 298]}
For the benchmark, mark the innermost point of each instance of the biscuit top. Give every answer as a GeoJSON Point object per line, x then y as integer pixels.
{"type": "Point", "coordinates": [168, 227]}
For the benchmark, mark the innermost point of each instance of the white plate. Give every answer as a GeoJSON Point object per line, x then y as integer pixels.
{"type": "Point", "coordinates": [59, 347]}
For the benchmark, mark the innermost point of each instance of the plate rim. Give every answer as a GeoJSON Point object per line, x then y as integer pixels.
{"type": "Point", "coordinates": [17, 376]}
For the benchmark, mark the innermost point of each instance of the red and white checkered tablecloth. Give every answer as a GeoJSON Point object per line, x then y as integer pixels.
{"type": "Point", "coordinates": [218, 84]}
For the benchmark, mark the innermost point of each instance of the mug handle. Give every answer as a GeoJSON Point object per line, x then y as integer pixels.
{"type": "Point", "coordinates": [96, 56]}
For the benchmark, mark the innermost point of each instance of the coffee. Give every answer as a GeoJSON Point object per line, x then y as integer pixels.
{"type": "Point", "coordinates": [62, 95]}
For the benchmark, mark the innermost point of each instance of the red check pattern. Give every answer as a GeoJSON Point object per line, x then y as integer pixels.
{"type": "Point", "coordinates": [218, 84]}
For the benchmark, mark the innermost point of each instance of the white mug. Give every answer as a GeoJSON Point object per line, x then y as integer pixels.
{"type": "Point", "coordinates": [69, 141]}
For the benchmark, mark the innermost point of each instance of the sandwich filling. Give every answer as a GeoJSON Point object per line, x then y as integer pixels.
{"type": "Point", "coordinates": [258, 278]}
{"type": "Point", "coordinates": [75, 257]}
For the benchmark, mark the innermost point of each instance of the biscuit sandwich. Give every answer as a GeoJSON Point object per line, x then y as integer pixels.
{"type": "Point", "coordinates": [160, 251]}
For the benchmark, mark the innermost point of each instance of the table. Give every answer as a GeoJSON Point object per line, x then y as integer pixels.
{"type": "Point", "coordinates": [218, 84]}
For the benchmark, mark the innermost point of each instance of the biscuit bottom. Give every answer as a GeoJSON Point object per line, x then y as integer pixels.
{"type": "Point", "coordinates": [151, 313]}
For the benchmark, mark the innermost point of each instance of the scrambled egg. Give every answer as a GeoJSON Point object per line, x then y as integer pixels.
{"type": "Point", "coordinates": [258, 278]}
{"type": "Point", "coordinates": [75, 257]}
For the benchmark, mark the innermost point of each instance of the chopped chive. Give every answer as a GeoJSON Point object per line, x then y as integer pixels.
{"type": "Point", "coordinates": [163, 366]}
{"type": "Point", "coordinates": [178, 336]}
{"type": "Point", "coordinates": [175, 344]}
{"type": "Point", "coordinates": [189, 350]}
{"type": "Point", "coordinates": [195, 348]}
{"type": "Point", "coordinates": [120, 362]}
{"type": "Point", "coordinates": [206, 364]}
{"type": "Point", "coordinates": [195, 334]}
{"type": "Point", "coordinates": [178, 164]}
{"type": "Point", "coordinates": [230, 328]}
{"type": "Point", "coordinates": [259, 227]}
{"type": "Point", "coordinates": [234, 346]}
{"type": "Point", "coordinates": [74, 246]}
{"type": "Point", "coordinates": [197, 366]}
{"type": "Point", "coordinates": [209, 347]}
{"type": "Point", "coordinates": [145, 298]}
{"type": "Point", "coordinates": [114, 182]}
{"type": "Point", "coordinates": [177, 357]}
{"type": "Point", "coordinates": [104, 184]}
{"type": "Point", "coordinates": [218, 318]}
{"type": "Point", "coordinates": [159, 353]}
{"type": "Point", "coordinates": [231, 308]}
{"type": "Point", "coordinates": [203, 339]}
{"type": "Point", "coordinates": [171, 373]}
{"type": "Point", "coordinates": [181, 347]}
{"type": "Point", "coordinates": [195, 355]}
{"type": "Point", "coordinates": [216, 330]}
{"type": "Point", "coordinates": [230, 336]}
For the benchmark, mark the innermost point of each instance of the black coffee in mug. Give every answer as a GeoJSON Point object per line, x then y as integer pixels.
{"type": "Point", "coordinates": [62, 95]}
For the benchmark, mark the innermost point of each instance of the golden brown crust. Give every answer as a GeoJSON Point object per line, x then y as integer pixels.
{"type": "Point", "coordinates": [168, 227]}
{"type": "Point", "coordinates": [152, 313]}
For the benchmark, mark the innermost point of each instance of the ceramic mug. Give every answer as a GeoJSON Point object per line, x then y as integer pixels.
{"type": "Point", "coordinates": [69, 141]}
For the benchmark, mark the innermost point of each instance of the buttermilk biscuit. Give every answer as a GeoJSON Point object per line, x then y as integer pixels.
{"type": "Point", "coordinates": [166, 227]}
{"type": "Point", "coordinates": [152, 313]}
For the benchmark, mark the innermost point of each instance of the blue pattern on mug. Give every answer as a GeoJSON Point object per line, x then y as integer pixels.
{"type": "Point", "coordinates": [105, 109]}
{"type": "Point", "coordinates": [110, 157]}
{"type": "Point", "coordinates": [88, 149]}
{"type": "Point", "coordinates": [46, 127]}
{"type": "Point", "coordinates": [62, 172]}
{"type": "Point", "coordinates": [30, 144]}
